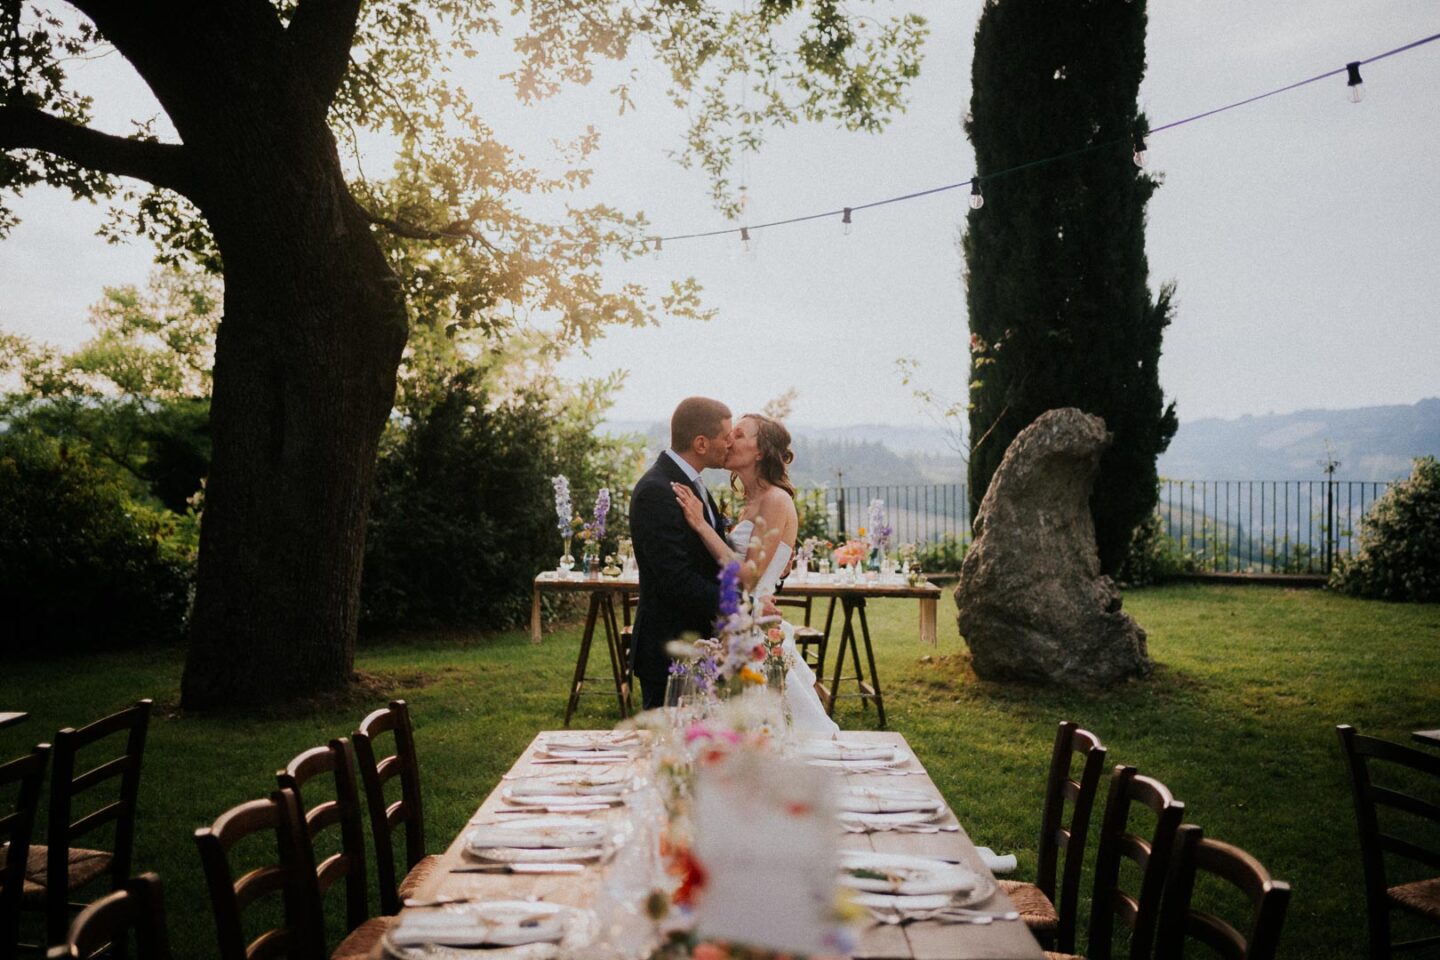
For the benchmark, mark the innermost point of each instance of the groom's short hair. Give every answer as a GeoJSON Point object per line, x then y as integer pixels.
{"type": "Point", "coordinates": [696, 417]}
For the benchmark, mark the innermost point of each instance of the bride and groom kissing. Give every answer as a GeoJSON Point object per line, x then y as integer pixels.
{"type": "Point", "coordinates": [682, 540]}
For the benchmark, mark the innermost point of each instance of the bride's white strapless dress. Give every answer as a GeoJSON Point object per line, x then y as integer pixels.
{"type": "Point", "coordinates": [806, 711]}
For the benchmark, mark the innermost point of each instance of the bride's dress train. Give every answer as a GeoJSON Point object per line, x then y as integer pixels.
{"type": "Point", "coordinates": [806, 711]}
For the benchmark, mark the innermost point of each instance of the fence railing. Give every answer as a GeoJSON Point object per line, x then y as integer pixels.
{"type": "Point", "coordinates": [1218, 526]}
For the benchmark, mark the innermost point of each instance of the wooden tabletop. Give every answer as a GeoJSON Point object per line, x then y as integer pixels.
{"type": "Point", "coordinates": [815, 585]}
{"type": "Point", "coordinates": [1005, 940]}
{"type": "Point", "coordinates": [9, 719]}
{"type": "Point", "coordinates": [1431, 738]}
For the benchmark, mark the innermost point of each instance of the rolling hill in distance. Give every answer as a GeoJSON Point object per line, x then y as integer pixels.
{"type": "Point", "coordinates": [1370, 443]}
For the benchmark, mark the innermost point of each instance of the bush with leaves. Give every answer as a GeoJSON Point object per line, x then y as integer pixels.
{"type": "Point", "coordinates": [1399, 554]}
{"type": "Point", "coordinates": [83, 566]}
{"type": "Point", "coordinates": [1154, 555]}
{"type": "Point", "coordinates": [463, 515]}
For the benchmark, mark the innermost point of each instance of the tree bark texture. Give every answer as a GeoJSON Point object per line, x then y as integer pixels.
{"type": "Point", "coordinates": [308, 346]}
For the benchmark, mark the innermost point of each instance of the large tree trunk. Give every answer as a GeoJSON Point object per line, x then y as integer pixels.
{"type": "Point", "coordinates": [305, 364]}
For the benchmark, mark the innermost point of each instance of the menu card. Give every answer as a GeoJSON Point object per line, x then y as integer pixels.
{"type": "Point", "coordinates": [765, 837]}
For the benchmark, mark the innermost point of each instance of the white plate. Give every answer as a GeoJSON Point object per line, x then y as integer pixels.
{"type": "Point", "coordinates": [535, 854]}
{"type": "Point", "coordinates": [880, 799]}
{"type": "Point", "coordinates": [581, 753]}
{"type": "Point", "coordinates": [579, 784]}
{"type": "Point", "coordinates": [556, 831]}
{"type": "Point", "coordinates": [608, 740]}
{"type": "Point", "coordinates": [430, 951]}
{"type": "Point", "coordinates": [500, 923]}
{"type": "Point", "coordinates": [559, 799]}
{"type": "Point", "coordinates": [899, 759]}
{"type": "Point", "coordinates": [910, 882]}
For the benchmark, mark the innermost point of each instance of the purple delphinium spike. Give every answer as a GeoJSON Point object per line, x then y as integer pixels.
{"type": "Point", "coordinates": [730, 589]}
{"type": "Point", "coordinates": [602, 510]}
{"type": "Point", "coordinates": [562, 504]}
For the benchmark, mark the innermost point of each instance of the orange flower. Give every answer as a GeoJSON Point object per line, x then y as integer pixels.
{"type": "Point", "coordinates": [692, 879]}
{"type": "Point", "coordinates": [709, 951]}
{"type": "Point", "coordinates": [750, 676]}
{"type": "Point", "coordinates": [776, 634]}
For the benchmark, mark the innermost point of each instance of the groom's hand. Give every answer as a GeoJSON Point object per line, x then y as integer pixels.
{"type": "Point", "coordinates": [768, 607]}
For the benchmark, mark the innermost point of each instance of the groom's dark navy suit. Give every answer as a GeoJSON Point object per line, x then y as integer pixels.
{"type": "Point", "coordinates": [679, 579]}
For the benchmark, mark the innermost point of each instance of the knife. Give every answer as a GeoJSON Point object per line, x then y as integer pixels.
{"type": "Point", "coordinates": [522, 868]}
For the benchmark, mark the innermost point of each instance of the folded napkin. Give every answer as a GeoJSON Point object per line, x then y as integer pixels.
{"type": "Point", "coordinates": [574, 786]}
{"type": "Point", "coordinates": [586, 753]}
{"type": "Point", "coordinates": [995, 861]}
{"type": "Point", "coordinates": [518, 835]}
{"type": "Point", "coordinates": [897, 801]}
{"type": "Point", "coordinates": [835, 750]}
{"type": "Point", "coordinates": [455, 928]}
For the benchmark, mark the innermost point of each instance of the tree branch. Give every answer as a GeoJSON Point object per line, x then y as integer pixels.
{"type": "Point", "coordinates": [165, 165]}
{"type": "Point", "coordinates": [323, 32]}
{"type": "Point", "coordinates": [458, 230]}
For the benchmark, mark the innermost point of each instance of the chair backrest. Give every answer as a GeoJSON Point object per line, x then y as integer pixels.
{"type": "Point", "coordinates": [385, 817]}
{"type": "Point", "coordinates": [336, 762]}
{"type": "Point", "coordinates": [23, 778]}
{"type": "Point", "coordinates": [629, 600]}
{"type": "Point", "coordinates": [138, 906]}
{"type": "Point", "coordinates": [1370, 799]}
{"type": "Point", "coordinates": [1138, 912]}
{"type": "Point", "coordinates": [1057, 835]}
{"type": "Point", "coordinates": [66, 787]}
{"type": "Point", "coordinates": [1179, 920]}
{"type": "Point", "coordinates": [291, 878]}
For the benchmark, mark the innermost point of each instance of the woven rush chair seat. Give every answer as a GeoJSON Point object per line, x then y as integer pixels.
{"type": "Point", "coordinates": [1035, 909]}
{"type": "Point", "coordinates": [83, 867]}
{"type": "Point", "coordinates": [361, 942]}
{"type": "Point", "coordinates": [1422, 897]}
{"type": "Point", "coordinates": [418, 874]}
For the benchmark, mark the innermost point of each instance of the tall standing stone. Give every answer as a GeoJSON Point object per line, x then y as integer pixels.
{"type": "Point", "coordinates": [1033, 603]}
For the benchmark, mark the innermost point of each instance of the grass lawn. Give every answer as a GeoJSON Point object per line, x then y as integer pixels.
{"type": "Point", "coordinates": [1238, 721]}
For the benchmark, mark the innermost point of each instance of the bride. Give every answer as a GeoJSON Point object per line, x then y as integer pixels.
{"type": "Point", "coordinates": [764, 541]}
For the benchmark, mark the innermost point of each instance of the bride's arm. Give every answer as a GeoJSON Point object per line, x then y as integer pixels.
{"type": "Point", "coordinates": [694, 512]}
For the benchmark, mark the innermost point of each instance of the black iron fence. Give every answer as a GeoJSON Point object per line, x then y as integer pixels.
{"type": "Point", "coordinates": [1215, 526]}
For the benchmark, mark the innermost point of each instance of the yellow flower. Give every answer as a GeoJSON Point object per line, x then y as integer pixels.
{"type": "Point", "coordinates": [750, 676]}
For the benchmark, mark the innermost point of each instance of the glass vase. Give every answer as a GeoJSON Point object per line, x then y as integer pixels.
{"type": "Point", "coordinates": [567, 562]}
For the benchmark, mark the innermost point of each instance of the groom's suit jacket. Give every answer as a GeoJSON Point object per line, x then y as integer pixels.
{"type": "Point", "coordinates": [679, 585]}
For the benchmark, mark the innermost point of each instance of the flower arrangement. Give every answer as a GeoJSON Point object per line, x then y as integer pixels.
{"type": "Point", "coordinates": [562, 505]}
{"type": "Point", "coordinates": [595, 529]}
{"type": "Point", "coordinates": [851, 552]}
{"type": "Point", "coordinates": [880, 529]}
{"type": "Point", "coordinates": [810, 550]}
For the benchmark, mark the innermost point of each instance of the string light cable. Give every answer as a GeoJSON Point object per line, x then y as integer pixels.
{"type": "Point", "coordinates": [1136, 141]}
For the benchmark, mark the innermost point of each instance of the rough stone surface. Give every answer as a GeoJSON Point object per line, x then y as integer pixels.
{"type": "Point", "coordinates": [1033, 605]}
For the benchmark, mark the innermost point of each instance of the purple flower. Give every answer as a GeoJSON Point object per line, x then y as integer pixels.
{"type": "Point", "coordinates": [730, 589]}
{"type": "Point", "coordinates": [562, 504]}
{"type": "Point", "coordinates": [602, 510]}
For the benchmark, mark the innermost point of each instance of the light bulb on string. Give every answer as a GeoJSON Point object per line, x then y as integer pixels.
{"type": "Point", "coordinates": [1142, 153]}
{"type": "Point", "coordinates": [659, 245]}
{"type": "Point", "coordinates": [977, 199]}
{"type": "Point", "coordinates": [745, 241]}
{"type": "Point", "coordinates": [1353, 81]}
{"type": "Point", "coordinates": [845, 220]}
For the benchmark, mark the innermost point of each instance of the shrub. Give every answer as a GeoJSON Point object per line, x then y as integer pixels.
{"type": "Point", "coordinates": [1399, 555]}
{"type": "Point", "coordinates": [1154, 555]}
{"type": "Point", "coordinates": [463, 515]}
{"type": "Point", "coordinates": [944, 555]}
{"type": "Point", "coordinates": [82, 565]}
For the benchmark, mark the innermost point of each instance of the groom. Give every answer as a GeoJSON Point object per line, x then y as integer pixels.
{"type": "Point", "coordinates": [679, 585]}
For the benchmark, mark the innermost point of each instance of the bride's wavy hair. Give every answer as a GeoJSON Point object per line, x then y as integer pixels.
{"type": "Point", "coordinates": [773, 442]}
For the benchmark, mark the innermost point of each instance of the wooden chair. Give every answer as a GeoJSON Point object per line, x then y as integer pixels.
{"type": "Point", "coordinates": [290, 878]}
{"type": "Point", "coordinates": [335, 762]}
{"type": "Point", "coordinates": [1037, 901]}
{"type": "Point", "coordinates": [628, 602]}
{"type": "Point", "coordinates": [60, 857]}
{"type": "Point", "coordinates": [810, 641]}
{"type": "Point", "coordinates": [138, 907]}
{"type": "Point", "coordinates": [386, 817]}
{"type": "Point", "coordinates": [1179, 920]}
{"type": "Point", "coordinates": [1419, 898]}
{"type": "Point", "coordinates": [1138, 912]}
{"type": "Point", "coordinates": [23, 777]}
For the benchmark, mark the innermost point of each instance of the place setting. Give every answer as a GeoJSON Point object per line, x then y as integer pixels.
{"type": "Point", "coordinates": [904, 888]}
{"type": "Point", "coordinates": [536, 844]}
{"type": "Point", "coordinates": [877, 809]}
{"type": "Point", "coordinates": [501, 929]}
{"type": "Point", "coordinates": [855, 757]}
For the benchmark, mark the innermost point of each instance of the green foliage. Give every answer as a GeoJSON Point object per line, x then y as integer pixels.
{"type": "Point", "coordinates": [1154, 556]}
{"type": "Point", "coordinates": [944, 555]}
{"type": "Point", "coordinates": [1057, 280]}
{"type": "Point", "coordinates": [83, 566]}
{"type": "Point", "coordinates": [1399, 554]}
{"type": "Point", "coordinates": [463, 515]}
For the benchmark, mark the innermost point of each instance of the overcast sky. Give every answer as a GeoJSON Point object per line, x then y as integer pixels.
{"type": "Point", "coordinates": [1303, 231]}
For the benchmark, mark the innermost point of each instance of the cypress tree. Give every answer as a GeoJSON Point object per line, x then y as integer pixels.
{"type": "Point", "coordinates": [1061, 313]}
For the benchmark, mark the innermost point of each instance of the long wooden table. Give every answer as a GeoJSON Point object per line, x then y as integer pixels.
{"type": "Point", "coordinates": [1002, 940]}
{"type": "Point", "coordinates": [604, 591]}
